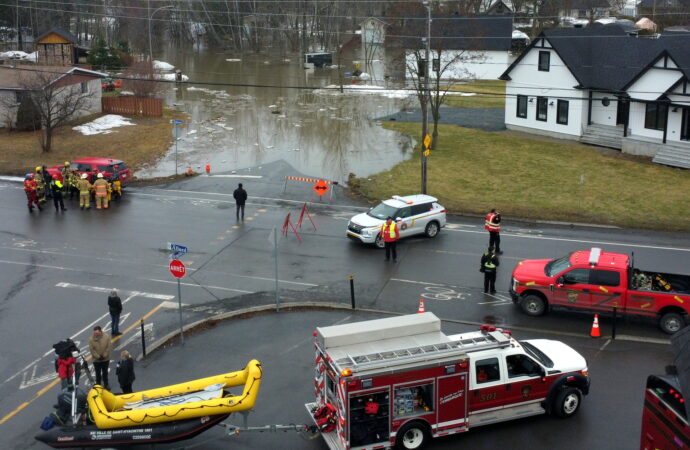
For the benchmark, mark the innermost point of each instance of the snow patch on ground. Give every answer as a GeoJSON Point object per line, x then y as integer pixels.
{"type": "Point", "coordinates": [170, 77]}
{"type": "Point", "coordinates": [162, 65]}
{"type": "Point", "coordinates": [103, 125]}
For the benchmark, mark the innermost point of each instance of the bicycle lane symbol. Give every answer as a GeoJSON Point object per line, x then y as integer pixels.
{"type": "Point", "coordinates": [442, 293]}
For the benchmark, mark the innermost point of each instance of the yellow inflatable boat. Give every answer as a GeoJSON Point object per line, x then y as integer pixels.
{"type": "Point", "coordinates": [204, 397]}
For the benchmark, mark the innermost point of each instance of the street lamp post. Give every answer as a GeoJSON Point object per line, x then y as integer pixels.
{"type": "Point", "coordinates": [150, 19]}
{"type": "Point", "coordinates": [426, 94]}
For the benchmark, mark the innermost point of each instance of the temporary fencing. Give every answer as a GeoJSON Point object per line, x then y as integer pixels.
{"type": "Point", "coordinates": [321, 186]}
{"type": "Point", "coordinates": [301, 216]}
{"type": "Point", "coordinates": [289, 224]}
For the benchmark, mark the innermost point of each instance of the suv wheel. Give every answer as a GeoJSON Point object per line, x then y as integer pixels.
{"type": "Point", "coordinates": [567, 402]}
{"type": "Point", "coordinates": [533, 305]}
{"type": "Point", "coordinates": [379, 242]}
{"type": "Point", "coordinates": [431, 229]}
{"type": "Point", "coordinates": [671, 322]}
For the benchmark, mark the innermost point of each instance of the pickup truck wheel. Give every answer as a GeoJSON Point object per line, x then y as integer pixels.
{"type": "Point", "coordinates": [567, 402]}
{"type": "Point", "coordinates": [412, 436]}
{"type": "Point", "coordinates": [671, 322]}
{"type": "Point", "coordinates": [379, 242]}
{"type": "Point", "coordinates": [533, 305]}
{"type": "Point", "coordinates": [431, 229]}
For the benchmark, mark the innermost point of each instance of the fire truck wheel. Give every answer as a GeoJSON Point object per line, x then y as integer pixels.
{"type": "Point", "coordinates": [671, 322]}
{"type": "Point", "coordinates": [533, 305]}
{"type": "Point", "coordinates": [412, 436]}
{"type": "Point", "coordinates": [567, 402]}
{"type": "Point", "coordinates": [379, 241]}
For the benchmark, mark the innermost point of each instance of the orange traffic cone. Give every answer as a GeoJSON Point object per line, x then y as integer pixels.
{"type": "Point", "coordinates": [595, 327]}
{"type": "Point", "coordinates": [208, 169]}
{"type": "Point", "coordinates": [421, 310]}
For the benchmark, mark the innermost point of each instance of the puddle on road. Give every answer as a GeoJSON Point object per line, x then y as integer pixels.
{"type": "Point", "coordinates": [319, 133]}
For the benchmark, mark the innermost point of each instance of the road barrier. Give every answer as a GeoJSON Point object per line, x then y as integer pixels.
{"type": "Point", "coordinates": [321, 186]}
{"type": "Point", "coordinates": [287, 224]}
{"type": "Point", "coordinates": [301, 216]}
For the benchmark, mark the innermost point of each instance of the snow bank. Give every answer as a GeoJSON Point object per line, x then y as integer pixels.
{"type": "Point", "coordinates": [102, 125]}
{"type": "Point", "coordinates": [170, 77]}
{"type": "Point", "coordinates": [162, 65]}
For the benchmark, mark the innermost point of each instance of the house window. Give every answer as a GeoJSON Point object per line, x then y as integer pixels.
{"type": "Point", "coordinates": [655, 116]}
{"type": "Point", "coordinates": [544, 61]}
{"type": "Point", "coordinates": [522, 106]}
{"type": "Point", "coordinates": [85, 87]}
{"type": "Point", "coordinates": [685, 125]}
{"type": "Point", "coordinates": [542, 105]}
{"type": "Point", "coordinates": [562, 113]}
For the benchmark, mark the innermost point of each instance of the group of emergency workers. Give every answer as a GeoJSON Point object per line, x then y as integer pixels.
{"type": "Point", "coordinates": [40, 186]}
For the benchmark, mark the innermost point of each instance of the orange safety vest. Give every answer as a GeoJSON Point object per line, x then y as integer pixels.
{"type": "Point", "coordinates": [101, 189]}
{"type": "Point", "coordinates": [390, 232]}
{"type": "Point", "coordinates": [489, 224]}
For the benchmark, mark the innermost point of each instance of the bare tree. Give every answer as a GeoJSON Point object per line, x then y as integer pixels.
{"type": "Point", "coordinates": [55, 101]}
{"type": "Point", "coordinates": [142, 80]}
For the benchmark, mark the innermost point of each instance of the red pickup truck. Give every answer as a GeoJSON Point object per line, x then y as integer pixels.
{"type": "Point", "coordinates": [599, 281]}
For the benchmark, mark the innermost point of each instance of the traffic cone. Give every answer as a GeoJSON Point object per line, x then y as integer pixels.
{"type": "Point", "coordinates": [595, 327]}
{"type": "Point", "coordinates": [208, 169]}
{"type": "Point", "coordinates": [421, 310]}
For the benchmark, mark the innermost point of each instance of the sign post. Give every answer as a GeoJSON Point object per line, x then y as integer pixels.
{"type": "Point", "coordinates": [176, 133]}
{"type": "Point", "coordinates": [273, 239]}
{"type": "Point", "coordinates": [178, 270]}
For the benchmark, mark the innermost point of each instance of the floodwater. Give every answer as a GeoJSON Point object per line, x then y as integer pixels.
{"type": "Point", "coordinates": [236, 124]}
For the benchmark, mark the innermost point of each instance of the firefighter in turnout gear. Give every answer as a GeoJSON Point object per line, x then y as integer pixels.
{"type": "Point", "coordinates": [116, 187]}
{"type": "Point", "coordinates": [84, 192]}
{"type": "Point", "coordinates": [100, 187]}
{"type": "Point", "coordinates": [489, 264]}
{"type": "Point", "coordinates": [69, 178]}
{"type": "Point", "coordinates": [40, 185]}
{"type": "Point", "coordinates": [58, 189]}
{"type": "Point", "coordinates": [30, 190]}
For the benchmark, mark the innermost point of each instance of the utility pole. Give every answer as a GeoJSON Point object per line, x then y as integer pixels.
{"type": "Point", "coordinates": [426, 94]}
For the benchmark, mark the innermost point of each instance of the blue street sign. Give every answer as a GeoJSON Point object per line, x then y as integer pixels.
{"type": "Point", "coordinates": [177, 121]}
{"type": "Point", "coordinates": [178, 250]}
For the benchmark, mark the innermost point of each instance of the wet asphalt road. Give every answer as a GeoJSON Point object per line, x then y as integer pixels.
{"type": "Point", "coordinates": [57, 270]}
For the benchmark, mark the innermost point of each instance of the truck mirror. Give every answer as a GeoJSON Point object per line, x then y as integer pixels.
{"type": "Point", "coordinates": [560, 280]}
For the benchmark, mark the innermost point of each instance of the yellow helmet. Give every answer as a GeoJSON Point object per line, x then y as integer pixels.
{"type": "Point", "coordinates": [66, 163]}
{"type": "Point", "coordinates": [38, 168]}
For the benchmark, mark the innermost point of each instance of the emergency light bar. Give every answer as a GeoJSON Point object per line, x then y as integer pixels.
{"type": "Point", "coordinates": [594, 255]}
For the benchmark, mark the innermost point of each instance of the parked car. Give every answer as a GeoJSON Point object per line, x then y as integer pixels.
{"type": "Point", "coordinates": [414, 214]}
{"type": "Point", "coordinates": [107, 166]}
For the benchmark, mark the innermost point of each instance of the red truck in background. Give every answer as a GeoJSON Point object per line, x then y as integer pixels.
{"type": "Point", "coordinates": [599, 281]}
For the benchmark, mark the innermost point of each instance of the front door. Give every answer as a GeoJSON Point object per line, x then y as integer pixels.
{"type": "Point", "coordinates": [685, 125]}
{"type": "Point", "coordinates": [405, 222]}
{"type": "Point", "coordinates": [488, 390]}
{"type": "Point", "coordinates": [622, 111]}
{"type": "Point", "coordinates": [574, 289]}
{"type": "Point", "coordinates": [524, 383]}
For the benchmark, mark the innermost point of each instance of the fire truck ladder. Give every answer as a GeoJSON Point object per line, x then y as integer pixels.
{"type": "Point", "coordinates": [471, 343]}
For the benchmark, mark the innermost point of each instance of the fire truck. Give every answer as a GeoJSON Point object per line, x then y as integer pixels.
{"type": "Point", "coordinates": [602, 282]}
{"type": "Point", "coordinates": [400, 381]}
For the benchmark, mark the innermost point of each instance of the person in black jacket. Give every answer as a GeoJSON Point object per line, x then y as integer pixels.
{"type": "Point", "coordinates": [115, 307]}
{"type": "Point", "coordinates": [240, 196]}
{"type": "Point", "coordinates": [125, 372]}
{"type": "Point", "coordinates": [489, 264]}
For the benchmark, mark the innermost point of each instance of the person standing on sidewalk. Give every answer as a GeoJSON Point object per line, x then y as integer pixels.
{"type": "Point", "coordinates": [125, 372]}
{"type": "Point", "coordinates": [390, 234]}
{"type": "Point", "coordinates": [492, 223]}
{"type": "Point", "coordinates": [240, 196]}
{"type": "Point", "coordinates": [100, 346]}
{"type": "Point", "coordinates": [489, 264]}
{"type": "Point", "coordinates": [115, 308]}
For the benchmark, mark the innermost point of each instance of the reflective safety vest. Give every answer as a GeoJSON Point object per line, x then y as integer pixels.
{"type": "Point", "coordinates": [101, 187]}
{"type": "Point", "coordinates": [56, 183]}
{"type": "Point", "coordinates": [29, 185]}
{"type": "Point", "coordinates": [489, 224]}
{"type": "Point", "coordinates": [390, 232]}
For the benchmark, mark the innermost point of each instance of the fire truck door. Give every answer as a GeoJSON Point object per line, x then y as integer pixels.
{"type": "Point", "coordinates": [572, 289]}
{"type": "Point", "coordinates": [487, 388]}
{"type": "Point", "coordinates": [452, 401]}
{"type": "Point", "coordinates": [524, 383]}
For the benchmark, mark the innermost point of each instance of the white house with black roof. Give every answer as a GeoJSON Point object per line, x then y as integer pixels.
{"type": "Point", "coordinates": [603, 87]}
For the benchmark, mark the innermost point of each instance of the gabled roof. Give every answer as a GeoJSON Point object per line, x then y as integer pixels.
{"type": "Point", "coordinates": [586, 4]}
{"type": "Point", "coordinates": [454, 32]}
{"type": "Point", "coordinates": [61, 31]}
{"type": "Point", "coordinates": [606, 58]}
{"type": "Point", "coordinates": [17, 78]}
{"type": "Point", "coordinates": [499, 7]}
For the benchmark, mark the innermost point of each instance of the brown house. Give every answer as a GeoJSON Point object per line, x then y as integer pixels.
{"type": "Point", "coordinates": [56, 47]}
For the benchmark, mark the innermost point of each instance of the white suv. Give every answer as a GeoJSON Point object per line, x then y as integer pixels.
{"type": "Point", "coordinates": [414, 214]}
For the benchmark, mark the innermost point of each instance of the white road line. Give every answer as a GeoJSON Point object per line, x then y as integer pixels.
{"type": "Point", "coordinates": [104, 289]}
{"type": "Point", "coordinates": [424, 283]}
{"type": "Point", "coordinates": [172, 305]}
{"type": "Point", "coordinates": [583, 241]}
{"type": "Point", "coordinates": [237, 176]}
{"type": "Point", "coordinates": [199, 286]}
{"type": "Point", "coordinates": [608, 341]}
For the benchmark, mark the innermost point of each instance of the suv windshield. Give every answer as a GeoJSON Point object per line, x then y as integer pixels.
{"type": "Point", "coordinates": [383, 211]}
{"type": "Point", "coordinates": [537, 354]}
{"type": "Point", "coordinates": [557, 266]}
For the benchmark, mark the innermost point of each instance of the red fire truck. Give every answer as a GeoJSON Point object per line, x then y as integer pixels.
{"type": "Point", "coordinates": [601, 281]}
{"type": "Point", "coordinates": [400, 381]}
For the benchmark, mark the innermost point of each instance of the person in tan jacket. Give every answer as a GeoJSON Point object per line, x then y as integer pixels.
{"type": "Point", "coordinates": [101, 188]}
{"type": "Point", "coordinates": [84, 188]}
{"type": "Point", "coordinates": [100, 346]}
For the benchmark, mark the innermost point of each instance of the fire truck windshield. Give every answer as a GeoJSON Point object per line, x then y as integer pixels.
{"type": "Point", "coordinates": [557, 266]}
{"type": "Point", "coordinates": [537, 354]}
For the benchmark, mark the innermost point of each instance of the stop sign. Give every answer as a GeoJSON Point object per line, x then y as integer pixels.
{"type": "Point", "coordinates": [177, 269]}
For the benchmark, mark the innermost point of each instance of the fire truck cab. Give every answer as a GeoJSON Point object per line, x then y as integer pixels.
{"type": "Point", "coordinates": [400, 381]}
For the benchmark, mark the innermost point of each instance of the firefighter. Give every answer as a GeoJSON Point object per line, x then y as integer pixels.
{"type": "Point", "coordinates": [492, 224]}
{"type": "Point", "coordinates": [40, 185]}
{"type": "Point", "coordinates": [117, 187]}
{"type": "Point", "coordinates": [390, 233]}
{"type": "Point", "coordinates": [84, 192]}
{"type": "Point", "coordinates": [68, 178]}
{"type": "Point", "coordinates": [489, 264]}
{"type": "Point", "coordinates": [100, 187]}
{"type": "Point", "coordinates": [30, 190]}
{"type": "Point", "coordinates": [46, 180]}
{"type": "Point", "coordinates": [57, 187]}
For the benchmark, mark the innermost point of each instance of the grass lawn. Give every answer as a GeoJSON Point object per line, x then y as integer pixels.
{"type": "Point", "coordinates": [20, 152]}
{"type": "Point", "coordinates": [473, 171]}
{"type": "Point", "coordinates": [490, 94]}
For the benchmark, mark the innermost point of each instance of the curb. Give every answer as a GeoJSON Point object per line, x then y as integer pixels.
{"type": "Point", "coordinates": [165, 340]}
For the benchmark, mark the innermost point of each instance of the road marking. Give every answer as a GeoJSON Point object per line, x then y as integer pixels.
{"type": "Point", "coordinates": [199, 286]}
{"type": "Point", "coordinates": [57, 380]}
{"type": "Point", "coordinates": [424, 283]}
{"type": "Point", "coordinates": [172, 305]}
{"type": "Point", "coordinates": [103, 289]}
{"type": "Point", "coordinates": [237, 176]}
